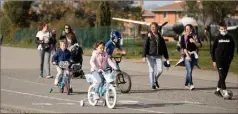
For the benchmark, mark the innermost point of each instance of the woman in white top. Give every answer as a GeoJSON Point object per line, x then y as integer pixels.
{"type": "Point", "coordinates": [44, 41]}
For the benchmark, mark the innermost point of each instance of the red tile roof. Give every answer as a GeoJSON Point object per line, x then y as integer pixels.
{"type": "Point", "coordinates": [170, 7]}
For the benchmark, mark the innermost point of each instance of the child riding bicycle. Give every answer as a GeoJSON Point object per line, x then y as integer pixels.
{"type": "Point", "coordinates": [62, 54]}
{"type": "Point", "coordinates": [99, 61]}
{"type": "Point", "coordinates": [113, 43]}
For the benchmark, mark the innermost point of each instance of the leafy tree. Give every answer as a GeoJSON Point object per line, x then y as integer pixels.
{"type": "Point", "coordinates": [17, 11]}
{"type": "Point", "coordinates": [5, 23]}
{"type": "Point", "coordinates": [191, 9]}
{"type": "Point", "coordinates": [216, 11]}
{"type": "Point", "coordinates": [103, 14]}
{"type": "Point", "coordinates": [48, 11]}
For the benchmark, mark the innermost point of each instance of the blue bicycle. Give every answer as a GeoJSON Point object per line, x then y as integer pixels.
{"type": "Point", "coordinates": [108, 90]}
{"type": "Point", "coordinates": [64, 81]}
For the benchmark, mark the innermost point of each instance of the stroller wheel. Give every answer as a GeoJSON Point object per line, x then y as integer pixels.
{"type": "Point", "coordinates": [61, 90]}
{"type": "Point", "coordinates": [82, 75]}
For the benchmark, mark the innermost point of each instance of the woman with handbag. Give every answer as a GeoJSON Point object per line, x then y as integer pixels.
{"type": "Point", "coordinates": [44, 41]}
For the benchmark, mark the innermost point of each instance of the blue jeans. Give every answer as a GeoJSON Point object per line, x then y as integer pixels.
{"type": "Point", "coordinates": [152, 62]}
{"type": "Point", "coordinates": [189, 67]}
{"type": "Point", "coordinates": [99, 80]}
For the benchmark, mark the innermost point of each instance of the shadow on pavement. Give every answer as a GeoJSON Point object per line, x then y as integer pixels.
{"type": "Point", "coordinates": [214, 88]}
{"type": "Point", "coordinates": [143, 91]}
{"type": "Point", "coordinates": [176, 89]}
{"type": "Point", "coordinates": [143, 105]}
{"type": "Point", "coordinates": [79, 93]}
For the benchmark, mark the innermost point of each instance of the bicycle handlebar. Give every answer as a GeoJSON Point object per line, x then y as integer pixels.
{"type": "Point", "coordinates": [118, 59]}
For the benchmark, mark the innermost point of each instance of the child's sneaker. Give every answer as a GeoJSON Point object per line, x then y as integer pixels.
{"type": "Point", "coordinates": [192, 87]}
{"type": "Point", "coordinates": [49, 76]}
{"type": "Point", "coordinates": [153, 87]}
{"type": "Point", "coordinates": [95, 96]}
{"type": "Point", "coordinates": [41, 74]}
{"type": "Point", "coordinates": [157, 84]}
{"type": "Point", "coordinates": [218, 93]}
{"type": "Point", "coordinates": [187, 87]}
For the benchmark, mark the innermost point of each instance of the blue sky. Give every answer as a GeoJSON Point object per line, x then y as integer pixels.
{"type": "Point", "coordinates": [154, 4]}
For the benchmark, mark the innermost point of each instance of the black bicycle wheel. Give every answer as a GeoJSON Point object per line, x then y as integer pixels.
{"type": "Point", "coordinates": [123, 82]}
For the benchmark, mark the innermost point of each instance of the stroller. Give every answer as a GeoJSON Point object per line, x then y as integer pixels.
{"type": "Point", "coordinates": [76, 68]}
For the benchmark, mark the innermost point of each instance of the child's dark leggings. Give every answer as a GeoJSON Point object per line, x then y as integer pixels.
{"type": "Point", "coordinates": [223, 68]}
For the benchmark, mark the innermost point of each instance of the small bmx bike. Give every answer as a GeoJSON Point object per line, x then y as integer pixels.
{"type": "Point", "coordinates": [107, 90]}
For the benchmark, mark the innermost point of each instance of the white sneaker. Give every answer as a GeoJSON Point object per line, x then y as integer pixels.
{"type": "Point", "coordinates": [49, 76]}
{"type": "Point", "coordinates": [95, 96]}
{"type": "Point", "coordinates": [192, 87]}
{"type": "Point", "coordinates": [187, 87]}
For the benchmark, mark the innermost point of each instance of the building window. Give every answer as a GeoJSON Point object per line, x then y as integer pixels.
{"type": "Point", "coordinates": [179, 14]}
{"type": "Point", "coordinates": [164, 14]}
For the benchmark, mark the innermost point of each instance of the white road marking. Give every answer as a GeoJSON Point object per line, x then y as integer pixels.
{"type": "Point", "coordinates": [66, 103]}
{"type": "Point", "coordinates": [48, 104]}
{"type": "Point", "coordinates": [128, 102]}
{"type": "Point", "coordinates": [54, 98]}
{"type": "Point", "coordinates": [39, 96]}
{"type": "Point", "coordinates": [28, 81]}
{"type": "Point", "coordinates": [186, 102]}
{"type": "Point", "coordinates": [25, 109]}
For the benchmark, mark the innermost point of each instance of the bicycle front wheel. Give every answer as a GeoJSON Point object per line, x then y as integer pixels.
{"type": "Point", "coordinates": [111, 97]}
{"type": "Point", "coordinates": [123, 82]}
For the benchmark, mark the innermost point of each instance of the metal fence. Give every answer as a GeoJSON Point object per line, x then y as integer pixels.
{"type": "Point", "coordinates": [86, 37]}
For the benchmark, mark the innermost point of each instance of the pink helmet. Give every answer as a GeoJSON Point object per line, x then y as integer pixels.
{"type": "Point", "coordinates": [53, 31]}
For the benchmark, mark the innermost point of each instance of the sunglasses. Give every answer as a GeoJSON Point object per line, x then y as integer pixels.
{"type": "Point", "coordinates": [66, 28]}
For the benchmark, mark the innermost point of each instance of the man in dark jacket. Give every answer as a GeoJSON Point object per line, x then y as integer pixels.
{"type": "Point", "coordinates": [222, 55]}
{"type": "Point", "coordinates": [154, 48]}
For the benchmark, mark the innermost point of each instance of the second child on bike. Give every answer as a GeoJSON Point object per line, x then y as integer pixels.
{"type": "Point", "coordinates": [62, 54]}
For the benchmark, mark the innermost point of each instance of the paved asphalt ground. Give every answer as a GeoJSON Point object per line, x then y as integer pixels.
{"type": "Point", "coordinates": [23, 91]}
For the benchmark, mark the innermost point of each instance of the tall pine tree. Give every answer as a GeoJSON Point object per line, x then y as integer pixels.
{"type": "Point", "coordinates": [103, 14]}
